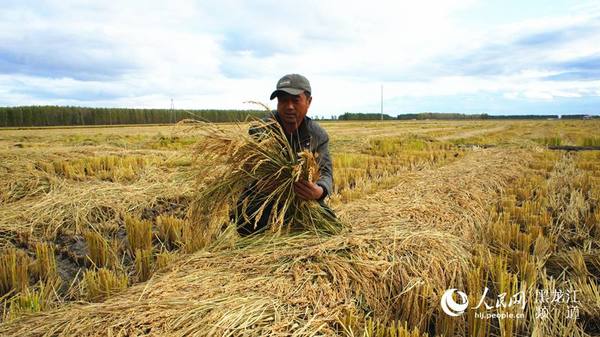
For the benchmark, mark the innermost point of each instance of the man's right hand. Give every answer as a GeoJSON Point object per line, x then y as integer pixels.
{"type": "Point", "coordinates": [307, 190]}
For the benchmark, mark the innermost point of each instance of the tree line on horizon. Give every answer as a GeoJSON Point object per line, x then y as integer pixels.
{"type": "Point", "coordinates": [450, 116]}
{"type": "Point", "coordinates": [27, 116]}
{"type": "Point", "coordinates": [73, 116]}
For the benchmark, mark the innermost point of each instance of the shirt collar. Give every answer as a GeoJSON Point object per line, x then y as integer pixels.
{"type": "Point", "coordinates": [301, 131]}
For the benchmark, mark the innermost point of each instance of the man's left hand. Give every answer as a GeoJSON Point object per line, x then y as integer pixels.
{"type": "Point", "coordinates": [307, 190]}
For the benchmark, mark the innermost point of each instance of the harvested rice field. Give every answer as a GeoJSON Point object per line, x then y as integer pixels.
{"type": "Point", "coordinates": [444, 228]}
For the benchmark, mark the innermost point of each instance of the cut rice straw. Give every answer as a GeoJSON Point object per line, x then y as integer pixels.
{"type": "Point", "coordinates": [302, 284]}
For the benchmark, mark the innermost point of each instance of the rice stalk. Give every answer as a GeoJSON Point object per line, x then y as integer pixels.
{"type": "Point", "coordinates": [170, 231]}
{"type": "Point", "coordinates": [193, 238]}
{"type": "Point", "coordinates": [555, 321]}
{"type": "Point", "coordinates": [477, 279]}
{"type": "Point", "coordinates": [143, 264]}
{"type": "Point", "coordinates": [110, 168]}
{"type": "Point", "coordinates": [14, 271]}
{"type": "Point", "coordinates": [45, 262]}
{"type": "Point", "coordinates": [163, 259]}
{"type": "Point", "coordinates": [353, 327]}
{"type": "Point", "coordinates": [99, 251]}
{"type": "Point", "coordinates": [139, 234]}
{"type": "Point", "coordinates": [39, 297]}
{"type": "Point", "coordinates": [102, 283]}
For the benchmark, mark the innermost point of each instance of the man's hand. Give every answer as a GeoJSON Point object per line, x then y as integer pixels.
{"type": "Point", "coordinates": [307, 190]}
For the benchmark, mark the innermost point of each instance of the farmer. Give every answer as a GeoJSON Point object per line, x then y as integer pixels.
{"type": "Point", "coordinates": [293, 94]}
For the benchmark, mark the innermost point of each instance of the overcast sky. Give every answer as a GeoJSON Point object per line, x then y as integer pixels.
{"type": "Point", "coordinates": [470, 56]}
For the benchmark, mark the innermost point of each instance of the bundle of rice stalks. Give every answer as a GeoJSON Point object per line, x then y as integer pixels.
{"type": "Point", "coordinates": [352, 326]}
{"type": "Point", "coordinates": [170, 231]}
{"type": "Point", "coordinates": [101, 283]}
{"type": "Point", "coordinates": [14, 271]}
{"type": "Point", "coordinates": [163, 259]}
{"type": "Point", "coordinates": [30, 300]}
{"type": "Point", "coordinates": [45, 263]}
{"type": "Point", "coordinates": [100, 253]}
{"type": "Point", "coordinates": [110, 168]}
{"type": "Point", "coordinates": [139, 233]}
{"type": "Point", "coordinates": [139, 237]}
{"type": "Point", "coordinates": [260, 168]}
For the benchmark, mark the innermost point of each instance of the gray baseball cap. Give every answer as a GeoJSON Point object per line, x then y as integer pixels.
{"type": "Point", "coordinates": [293, 84]}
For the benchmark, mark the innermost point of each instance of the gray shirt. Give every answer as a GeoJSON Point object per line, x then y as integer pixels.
{"type": "Point", "coordinates": [310, 135]}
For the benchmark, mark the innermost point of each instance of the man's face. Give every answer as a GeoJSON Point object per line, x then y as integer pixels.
{"type": "Point", "coordinates": [292, 108]}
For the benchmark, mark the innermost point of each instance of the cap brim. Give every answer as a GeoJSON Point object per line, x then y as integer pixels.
{"type": "Point", "coordinates": [291, 91]}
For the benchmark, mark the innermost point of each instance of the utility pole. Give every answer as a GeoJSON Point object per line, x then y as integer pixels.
{"type": "Point", "coordinates": [172, 111]}
{"type": "Point", "coordinates": [382, 102]}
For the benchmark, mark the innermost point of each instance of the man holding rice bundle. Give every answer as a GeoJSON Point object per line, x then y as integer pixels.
{"type": "Point", "coordinates": [293, 93]}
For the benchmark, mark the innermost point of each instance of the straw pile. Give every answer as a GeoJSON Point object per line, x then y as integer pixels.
{"type": "Point", "coordinates": [39, 200]}
{"type": "Point", "coordinates": [298, 285]}
{"type": "Point", "coordinates": [304, 284]}
{"type": "Point", "coordinates": [417, 195]}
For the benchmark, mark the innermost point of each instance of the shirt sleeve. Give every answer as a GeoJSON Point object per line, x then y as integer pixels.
{"type": "Point", "coordinates": [325, 168]}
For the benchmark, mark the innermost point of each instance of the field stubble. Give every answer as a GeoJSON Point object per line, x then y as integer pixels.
{"type": "Point", "coordinates": [85, 215]}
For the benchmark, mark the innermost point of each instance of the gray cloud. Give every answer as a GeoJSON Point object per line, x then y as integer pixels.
{"type": "Point", "coordinates": [57, 54]}
{"type": "Point", "coordinates": [554, 37]}
{"type": "Point", "coordinates": [493, 103]}
{"type": "Point", "coordinates": [579, 69]}
{"type": "Point", "coordinates": [526, 52]}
